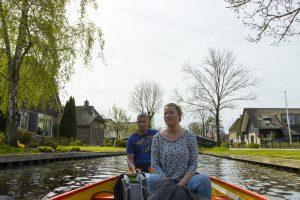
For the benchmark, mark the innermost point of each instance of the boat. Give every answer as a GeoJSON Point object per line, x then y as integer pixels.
{"type": "Point", "coordinates": [104, 190]}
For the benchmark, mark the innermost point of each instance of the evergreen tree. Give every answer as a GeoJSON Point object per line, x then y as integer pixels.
{"type": "Point", "coordinates": [68, 125]}
{"type": "Point", "coordinates": [73, 118]}
{"type": "Point", "coordinates": [3, 120]}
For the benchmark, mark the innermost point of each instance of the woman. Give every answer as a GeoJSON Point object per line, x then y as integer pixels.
{"type": "Point", "coordinates": [174, 156]}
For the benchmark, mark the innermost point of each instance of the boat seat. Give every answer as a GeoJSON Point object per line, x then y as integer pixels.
{"type": "Point", "coordinates": [103, 196]}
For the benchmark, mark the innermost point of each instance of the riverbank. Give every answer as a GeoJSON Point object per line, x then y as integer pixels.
{"type": "Point", "coordinates": [288, 160]}
{"type": "Point", "coordinates": [8, 150]}
{"type": "Point", "coordinates": [13, 157]}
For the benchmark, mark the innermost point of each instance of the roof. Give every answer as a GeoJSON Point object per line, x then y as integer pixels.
{"type": "Point", "coordinates": [236, 126]}
{"type": "Point", "coordinates": [267, 118]}
{"type": "Point", "coordinates": [85, 115]}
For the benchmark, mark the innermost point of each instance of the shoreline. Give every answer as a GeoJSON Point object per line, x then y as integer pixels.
{"type": "Point", "coordinates": [17, 160]}
{"type": "Point", "coordinates": [279, 163]}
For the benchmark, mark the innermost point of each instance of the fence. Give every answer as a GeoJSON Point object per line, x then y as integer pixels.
{"type": "Point", "coordinates": [281, 143]}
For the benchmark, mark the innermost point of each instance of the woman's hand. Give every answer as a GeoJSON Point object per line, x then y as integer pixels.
{"type": "Point", "coordinates": [182, 183]}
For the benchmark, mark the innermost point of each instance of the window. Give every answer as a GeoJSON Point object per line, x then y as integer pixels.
{"type": "Point", "coordinates": [24, 119]}
{"type": "Point", "coordinates": [292, 119]}
{"type": "Point", "coordinates": [45, 122]}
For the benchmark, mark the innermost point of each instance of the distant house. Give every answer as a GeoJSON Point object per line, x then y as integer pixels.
{"type": "Point", "coordinates": [235, 135]}
{"type": "Point", "coordinates": [90, 125]}
{"type": "Point", "coordinates": [267, 123]}
{"type": "Point", "coordinates": [37, 119]}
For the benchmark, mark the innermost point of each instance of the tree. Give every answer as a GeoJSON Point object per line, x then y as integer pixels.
{"type": "Point", "coordinates": [195, 127]}
{"type": "Point", "coordinates": [216, 85]}
{"type": "Point", "coordinates": [119, 121]}
{"type": "Point", "coordinates": [147, 98]}
{"type": "Point", "coordinates": [38, 46]}
{"type": "Point", "coordinates": [272, 18]}
{"type": "Point", "coordinates": [2, 121]}
{"type": "Point", "coordinates": [68, 123]}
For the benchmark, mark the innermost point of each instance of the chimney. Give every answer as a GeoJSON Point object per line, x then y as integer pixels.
{"type": "Point", "coordinates": [86, 103]}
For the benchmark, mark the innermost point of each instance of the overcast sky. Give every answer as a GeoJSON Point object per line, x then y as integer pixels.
{"type": "Point", "coordinates": [151, 40]}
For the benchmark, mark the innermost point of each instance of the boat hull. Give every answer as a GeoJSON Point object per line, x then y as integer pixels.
{"type": "Point", "coordinates": [103, 190]}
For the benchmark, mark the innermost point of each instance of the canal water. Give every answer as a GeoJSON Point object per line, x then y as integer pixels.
{"type": "Point", "coordinates": [46, 180]}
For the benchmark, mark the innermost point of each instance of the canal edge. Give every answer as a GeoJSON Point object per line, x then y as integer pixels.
{"type": "Point", "coordinates": [278, 163]}
{"type": "Point", "coordinates": [17, 160]}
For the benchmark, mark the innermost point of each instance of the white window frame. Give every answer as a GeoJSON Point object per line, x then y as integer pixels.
{"type": "Point", "coordinates": [22, 113]}
{"type": "Point", "coordinates": [292, 119]}
{"type": "Point", "coordinates": [44, 116]}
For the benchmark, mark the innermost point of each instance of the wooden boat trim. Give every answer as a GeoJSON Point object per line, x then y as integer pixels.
{"type": "Point", "coordinates": [214, 180]}
{"type": "Point", "coordinates": [243, 190]}
{"type": "Point", "coordinates": [83, 188]}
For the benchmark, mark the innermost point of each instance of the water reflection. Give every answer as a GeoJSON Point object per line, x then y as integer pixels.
{"type": "Point", "coordinates": [44, 181]}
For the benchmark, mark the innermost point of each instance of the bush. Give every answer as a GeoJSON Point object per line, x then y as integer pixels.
{"type": "Point", "coordinates": [45, 149]}
{"type": "Point", "coordinates": [63, 141]}
{"type": "Point", "coordinates": [2, 137]}
{"type": "Point", "coordinates": [74, 148]}
{"type": "Point", "coordinates": [252, 146]}
{"type": "Point", "coordinates": [50, 142]}
{"type": "Point", "coordinates": [121, 143]}
{"type": "Point", "coordinates": [76, 142]}
{"type": "Point", "coordinates": [107, 143]}
{"type": "Point", "coordinates": [63, 149]}
{"type": "Point", "coordinates": [225, 144]}
{"type": "Point", "coordinates": [34, 144]}
{"type": "Point", "coordinates": [24, 136]}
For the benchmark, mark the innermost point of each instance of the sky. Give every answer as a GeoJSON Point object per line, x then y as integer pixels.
{"type": "Point", "coordinates": [151, 40]}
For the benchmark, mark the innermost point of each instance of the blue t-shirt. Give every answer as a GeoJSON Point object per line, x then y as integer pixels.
{"type": "Point", "coordinates": [140, 146]}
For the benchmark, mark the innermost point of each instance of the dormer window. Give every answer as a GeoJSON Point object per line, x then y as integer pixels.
{"type": "Point", "coordinates": [292, 119]}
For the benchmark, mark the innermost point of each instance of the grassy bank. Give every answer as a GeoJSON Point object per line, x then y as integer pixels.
{"type": "Point", "coordinates": [285, 154]}
{"type": "Point", "coordinates": [6, 150]}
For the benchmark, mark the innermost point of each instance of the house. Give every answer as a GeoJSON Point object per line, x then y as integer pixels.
{"type": "Point", "coordinates": [36, 120]}
{"type": "Point", "coordinates": [90, 125]}
{"type": "Point", "coordinates": [235, 135]}
{"type": "Point", "coordinates": [258, 124]}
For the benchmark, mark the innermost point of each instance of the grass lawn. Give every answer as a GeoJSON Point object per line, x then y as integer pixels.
{"type": "Point", "coordinates": [285, 154]}
{"type": "Point", "coordinates": [6, 150]}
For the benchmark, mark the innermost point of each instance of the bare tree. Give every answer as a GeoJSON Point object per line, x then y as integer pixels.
{"type": "Point", "coordinates": [200, 126]}
{"type": "Point", "coordinates": [119, 121]}
{"type": "Point", "coordinates": [147, 98]}
{"type": "Point", "coordinates": [273, 18]}
{"type": "Point", "coordinates": [216, 85]}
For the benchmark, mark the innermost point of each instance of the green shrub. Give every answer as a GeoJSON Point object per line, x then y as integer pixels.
{"type": "Point", "coordinates": [225, 144]}
{"type": "Point", "coordinates": [50, 142]}
{"type": "Point", "coordinates": [64, 141]}
{"type": "Point", "coordinates": [75, 148]}
{"type": "Point", "coordinates": [63, 149]}
{"type": "Point", "coordinates": [76, 142]}
{"type": "Point", "coordinates": [34, 144]}
{"type": "Point", "coordinates": [252, 146]}
{"type": "Point", "coordinates": [45, 149]}
{"type": "Point", "coordinates": [24, 136]}
{"type": "Point", "coordinates": [2, 137]}
{"type": "Point", "coordinates": [107, 143]}
{"type": "Point", "coordinates": [121, 143]}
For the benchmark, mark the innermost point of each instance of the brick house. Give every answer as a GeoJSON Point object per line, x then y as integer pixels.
{"type": "Point", "coordinates": [90, 125]}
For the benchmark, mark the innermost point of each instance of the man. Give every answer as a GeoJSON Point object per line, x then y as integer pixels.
{"type": "Point", "coordinates": [139, 146]}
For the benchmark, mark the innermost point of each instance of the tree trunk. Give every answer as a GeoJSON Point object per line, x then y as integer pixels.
{"type": "Point", "coordinates": [218, 128]}
{"type": "Point", "coordinates": [14, 75]}
{"type": "Point", "coordinates": [12, 119]}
